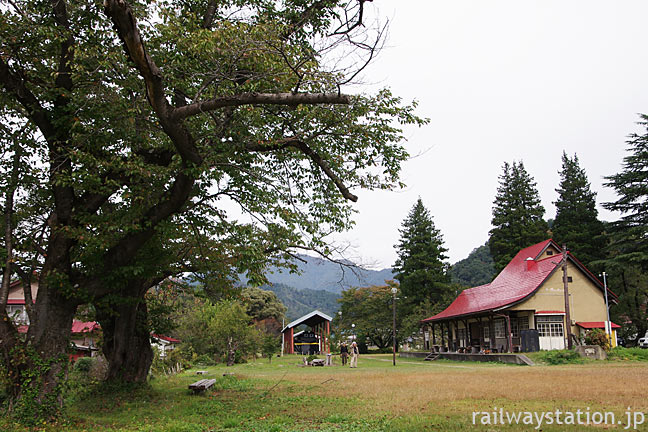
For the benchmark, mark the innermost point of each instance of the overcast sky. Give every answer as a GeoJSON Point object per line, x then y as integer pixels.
{"type": "Point", "coordinates": [503, 81]}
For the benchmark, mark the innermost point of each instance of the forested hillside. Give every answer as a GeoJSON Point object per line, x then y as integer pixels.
{"type": "Point", "coordinates": [477, 269]}
{"type": "Point", "coordinates": [302, 301]}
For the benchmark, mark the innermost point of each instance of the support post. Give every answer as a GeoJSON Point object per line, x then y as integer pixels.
{"type": "Point", "coordinates": [492, 341]}
{"type": "Point", "coordinates": [433, 334]}
{"type": "Point", "coordinates": [568, 331]}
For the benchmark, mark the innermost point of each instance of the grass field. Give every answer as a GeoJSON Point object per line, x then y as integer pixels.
{"type": "Point", "coordinates": [413, 396]}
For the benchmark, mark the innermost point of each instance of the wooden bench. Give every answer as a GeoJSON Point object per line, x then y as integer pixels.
{"type": "Point", "coordinates": [201, 372]}
{"type": "Point", "coordinates": [202, 385]}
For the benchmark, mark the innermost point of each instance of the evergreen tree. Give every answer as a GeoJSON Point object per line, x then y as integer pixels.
{"type": "Point", "coordinates": [630, 232]}
{"type": "Point", "coordinates": [421, 267]}
{"type": "Point", "coordinates": [577, 224]}
{"type": "Point", "coordinates": [627, 264]}
{"type": "Point", "coordinates": [477, 269]}
{"type": "Point", "coordinates": [517, 215]}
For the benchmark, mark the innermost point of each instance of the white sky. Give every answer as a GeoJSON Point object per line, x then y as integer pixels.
{"type": "Point", "coordinates": [503, 80]}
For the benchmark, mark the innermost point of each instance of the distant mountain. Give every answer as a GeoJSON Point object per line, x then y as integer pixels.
{"type": "Point", "coordinates": [477, 269]}
{"type": "Point", "coordinates": [302, 301]}
{"type": "Point", "coordinates": [319, 274]}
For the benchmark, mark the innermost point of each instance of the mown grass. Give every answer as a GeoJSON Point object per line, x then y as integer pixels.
{"type": "Point", "coordinates": [413, 396]}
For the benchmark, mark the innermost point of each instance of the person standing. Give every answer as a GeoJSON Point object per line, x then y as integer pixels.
{"type": "Point", "coordinates": [344, 353]}
{"type": "Point", "coordinates": [354, 355]}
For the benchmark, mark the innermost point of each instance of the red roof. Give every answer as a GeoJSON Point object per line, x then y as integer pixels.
{"type": "Point", "coordinates": [84, 327]}
{"type": "Point", "coordinates": [77, 327]}
{"type": "Point", "coordinates": [595, 324]}
{"type": "Point", "coordinates": [166, 338]}
{"type": "Point", "coordinates": [517, 281]}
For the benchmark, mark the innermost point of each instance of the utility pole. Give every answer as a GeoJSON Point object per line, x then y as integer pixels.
{"type": "Point", "coordinates": [608, 324]}
{"type": "Point", "coordinates": [566, 293]}
{"type": "Point", "coordinates": [394, 290]}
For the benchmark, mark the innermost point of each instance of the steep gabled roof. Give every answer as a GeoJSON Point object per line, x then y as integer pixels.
{"type": "Point", "coordinates": [311, 320]}
{"type": "Point", "coordinates": [516, 282]}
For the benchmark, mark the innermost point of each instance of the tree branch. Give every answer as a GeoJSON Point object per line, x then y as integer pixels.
{"type": "Point", "coordinates": [14, 84]}
{"type": "Point", "coordinates": [289, 99]}
{"type": "Point", "coordinates": [313, 155]}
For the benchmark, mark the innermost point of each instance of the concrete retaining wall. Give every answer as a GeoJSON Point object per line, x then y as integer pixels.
{"type": "Point", "coordinates": [520, 359]}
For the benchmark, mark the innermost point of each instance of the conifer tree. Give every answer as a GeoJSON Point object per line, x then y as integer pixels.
{"type": "Point", "coordinates": [421, 267]}
{"type": "Point", "coordinates": [517, 215]}
{"type": "Point", "coordinates": [630, 232]}
{"type": "Point", "coordinates": [627, 265]}
{"type": "Point", "coordinates": [577, 224]}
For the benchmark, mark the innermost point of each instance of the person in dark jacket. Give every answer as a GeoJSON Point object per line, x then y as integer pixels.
{"type": "Point", "coordinates": [344, 353]}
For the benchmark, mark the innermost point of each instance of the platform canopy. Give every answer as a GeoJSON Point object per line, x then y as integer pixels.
{"type": "Point", "coordinates": [312, 320]}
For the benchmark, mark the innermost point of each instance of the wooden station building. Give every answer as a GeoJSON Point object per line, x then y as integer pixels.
{"type": "Point", "coordinates": [528, 294]}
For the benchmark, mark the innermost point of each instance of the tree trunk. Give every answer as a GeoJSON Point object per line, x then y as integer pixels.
{"type": "Point", "coordinates": [127, 343]}
{"type": "Point", "coordinates": [37, 369]}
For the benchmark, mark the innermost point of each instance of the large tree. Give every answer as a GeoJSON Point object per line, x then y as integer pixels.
{"type": "Point", "coordinates": [627, 263]}
{"type": "Point", "coordinates": [517, 215]}
{"type": "Point", "coordinates": [576, 224]}
{"type": "Point", "coordinates": [630, 232]}
{"type": "Point", "coordinates": [421, 267]}
{"type": "Point", "coordinates": [150, 123]}
{"type": "Point", "coordinates": [367, 313]}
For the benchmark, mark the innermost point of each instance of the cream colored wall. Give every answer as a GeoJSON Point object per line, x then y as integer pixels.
{"type": "Point", "coordinates": [586, 301]}
{"type": "Point", "coordinates": [18, 294]}
{"type": "Point", "coordinates": [546, 255]}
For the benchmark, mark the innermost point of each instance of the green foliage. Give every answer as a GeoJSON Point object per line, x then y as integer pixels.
{"type": "Point", "coordinates": [221, 330]}
{"type": "Point", "coordinates": [134, 162]}
{"type": "Point", "coordinates": [517, 215]}
{"type": "Point", "coordinates": [597, 337]}
{"type": "Point", "coordinates": [173, 362]}
{"type": "Point", "coordinates": [83, 364]}
{"type": "Point", "coordinates": [627, 263]}
{"type": "Point", "coordinates": [270, 345]}
{"type": "Point", "coordinates": [263, 307]}
{"type": "Point", "coordinates": [631, 186]}
{"type": "Point", "coordinates": [577, 224]}
{"type": "Point", "coordinates": [629, 282]}
{"type": "Point", "coordinates": [35, 407]}
{"type": "Point", "coordinates": [370, 310]}
{"type": "Point", "coordinates": [421, 267]}
{"type": "Point", "coordinates": [311, 357]}
{"type": "Point", "coordinates": [558, 357]}
{"type": "Point", "coordinates": [477, 269]}
{"type": "Point", "coordinates": [629, 354]}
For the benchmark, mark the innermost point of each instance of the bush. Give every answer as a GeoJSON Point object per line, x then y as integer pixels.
{"type": "Point", "coordinates": [597, 337]}
{"type": "Point", "coordinates": [83, 364]}
{"type": "Point", "coordinates": [311, 357]}
{"type": "Point", "coordinates": [205, 360]}
{"type": "Point", "coordinates": [562, 357]}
